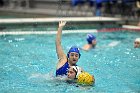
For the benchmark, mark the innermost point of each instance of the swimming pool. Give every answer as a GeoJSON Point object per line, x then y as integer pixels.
{"type": "Point", "coordinates": [27, 63]}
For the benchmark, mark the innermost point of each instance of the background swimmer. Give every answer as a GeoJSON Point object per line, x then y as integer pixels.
{"type": "Point", "coordinates": [92, 42]}
{"type": "Point", "coordinates": [91, 39]}
{"type": "Point", "coordinates": [65, 61]}
{"type": "Point", "coordinates": [137, 43]}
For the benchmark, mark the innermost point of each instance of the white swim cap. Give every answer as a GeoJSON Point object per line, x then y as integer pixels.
{"type": "Point", "coordinates": [78, 70]}
{"type": "Point", "coordinates": [137, 39]}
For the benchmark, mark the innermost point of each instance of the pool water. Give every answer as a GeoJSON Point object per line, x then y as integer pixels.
{"type": "Point", "coordinates": [27, 63]}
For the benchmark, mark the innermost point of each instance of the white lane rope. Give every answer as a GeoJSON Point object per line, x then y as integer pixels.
{"type": "Point", "coordinates": [47, 32]}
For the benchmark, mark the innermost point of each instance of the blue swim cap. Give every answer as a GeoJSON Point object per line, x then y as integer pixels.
{"type": "Point", "coordinates": [90, 37]}
{"type": "Point", "coordinates": [74, 49]}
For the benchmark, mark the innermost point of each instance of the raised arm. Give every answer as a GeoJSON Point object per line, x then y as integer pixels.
{"type": "Point", "coordinates": [59, 50]}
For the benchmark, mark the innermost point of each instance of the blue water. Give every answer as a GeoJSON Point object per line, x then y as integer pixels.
{"type": "Point", "coordinates": [27, 63]}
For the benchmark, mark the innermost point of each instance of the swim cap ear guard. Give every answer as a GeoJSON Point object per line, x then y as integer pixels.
{"type": "Point", "coordinates": [74, 49]}
{"type": "Point", "coordinates": [78, 70]}
{"type": "Point", "coordinates": [90, 37]}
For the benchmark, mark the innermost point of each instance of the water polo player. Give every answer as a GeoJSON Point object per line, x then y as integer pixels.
{"type": "Point", "coordinates": [91, 39]}
{"type": "Point", "coordinates": [79, 76]}
{"type": "Point", "coordinates": [137, 43]}
{"type": "Point", "coordinates": [65, 61]}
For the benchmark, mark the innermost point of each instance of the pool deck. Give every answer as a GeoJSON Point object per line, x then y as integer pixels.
{"type": "Point", "coordinates": [131, 27]}
{"type": "Point", "coordinates": [71, 19]}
